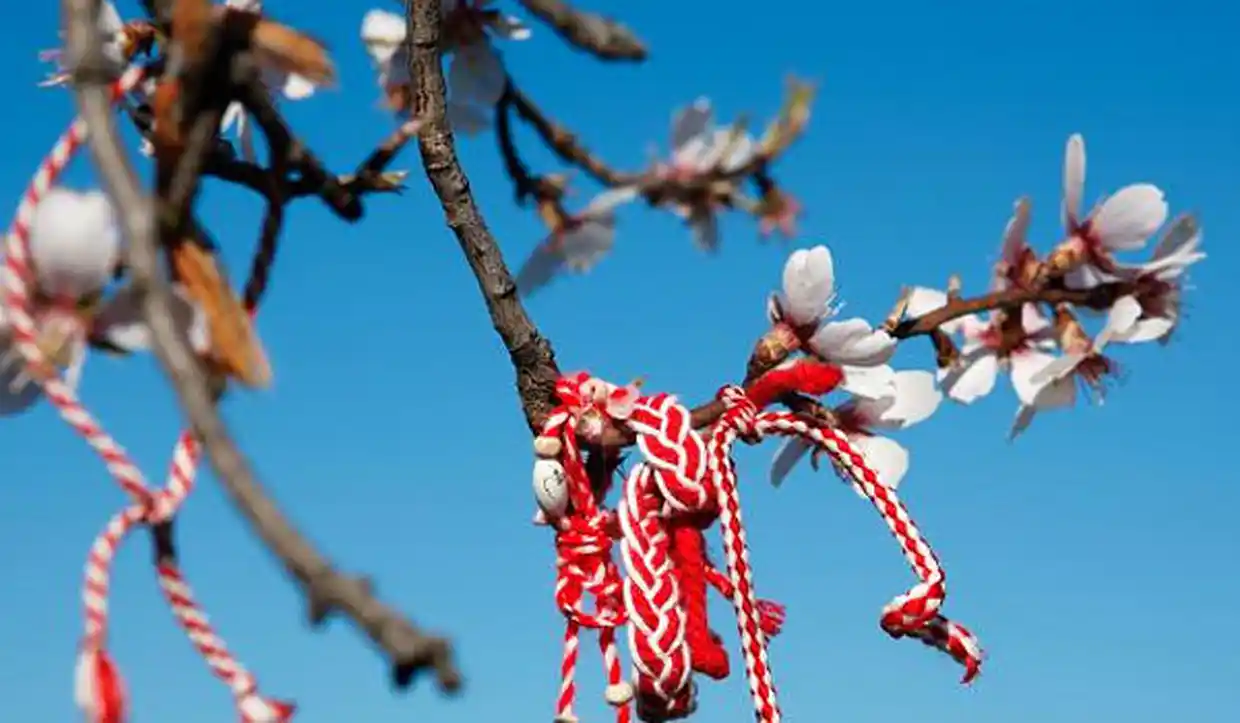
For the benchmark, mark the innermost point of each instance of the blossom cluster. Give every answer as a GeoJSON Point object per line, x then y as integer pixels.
{"type": "Point", "coordinates": [1040, 343]}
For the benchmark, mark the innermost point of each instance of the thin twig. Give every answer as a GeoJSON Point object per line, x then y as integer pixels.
{"type": "Point", "coordinates": [326, 589]}
{"type": "Point", "coordinates": [599, 36]}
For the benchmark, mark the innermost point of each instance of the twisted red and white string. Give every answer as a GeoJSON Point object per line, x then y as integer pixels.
{"type": "Point", "coordinates": [914, 614]}
{"type": "Point", "coordinates": [100, 690]}
{"type": "Point", "coordinates": [584, 565]}
{"type": "Point", "coordinates": [739, 419]}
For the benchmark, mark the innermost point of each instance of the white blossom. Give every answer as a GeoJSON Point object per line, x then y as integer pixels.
{"type": "Point", "coordinates": [578, 245]}
{"type": "Point", "coordinates": [912, 398]}
{"type": "Point", "coordinates": [476, 76]}
{"type": "Point", "coordinates": [808, 303]}
{"type": "Point", "coordinates": [1022, 346]}
{"type": "Point", "coordinates": [700, 146]}
{"type": "Point", "coordinates": [1123, 222]}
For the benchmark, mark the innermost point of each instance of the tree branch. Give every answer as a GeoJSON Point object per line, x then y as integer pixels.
{"type": "Point", "coordinates": [326, 589]}
{"type": "Point", "coordinates": [602, 37]}
{"type": "Point", "coordinates": [1099, 297]}
{"type": "Point", "coordinates": [531, 353]}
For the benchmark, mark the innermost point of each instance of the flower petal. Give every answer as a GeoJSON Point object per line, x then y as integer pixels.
{"type": "Point", "coordinates": [1016, 233]}
{"type": "Point", "coordinates": [791, 451]}
{"type": "Point", "coordinates": [1182, 234]}
{"type": "Point", "coordinates": [74, 243]}
{"type": "Point", "coordinates": [17, 391]}
{"type": "Point", "coordinates": [1073, 180]}
{"type": "Point", "coordinates": [868, 382]}
{"type": "Point", "coordinates": [586, 245]}
{"type": "Point", "coordinates": [1123, 315]}
{"type": "Point", "coordinates": [974, 376]}
{"type": "Point", "coordinates": [691, 124]}
{"type": "Point", "coordinates": [603, 204]}
{"type": "Point", "coordinates": [467, 119]}
{"type": "Point", "coordinates": [922, 300]}
{"type": "Point", "coordinates": [1057, 394]}
{"type": "Point", "coordinates": [297, 87]}
{"type": "Point", "coordinates": [1126, 220]}
{"type": "Point", "coordinates": [914, 398]}
{"type": "Point", "coordinates": [122, 325]}
{"type": "Point", "coordinates": [726, 148]}
{"type": "Point", "coordinates": [509, 27]}
{"type": "Point", "coordinates": [579, 250]}
{"type": "Point", "coordinates": [1033, 321]}
{"type": "Point", "coordinates": [383, 32]}
{"type": "Point", "coordinates": [809, 284]}
{"type": "Point", "coordinates": [1146, 330]}
{"type": "Point", "coordinates": [476, 75]}
{"type": "Point", "coordinates": [1027, 373]}
{"type": "Point", "coordinates": [853, 341]}
{"type": "Point", "coordinates": [704, 229]}
{"type": "Point", "coordinates": [887, 457]}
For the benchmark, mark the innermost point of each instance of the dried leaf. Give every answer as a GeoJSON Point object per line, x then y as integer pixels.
{"type": "Point", "coordinates": [291, 51]}
{"type": "Point", "coordinates": [236, 348]}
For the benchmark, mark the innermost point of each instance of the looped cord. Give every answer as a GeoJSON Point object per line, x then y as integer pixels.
{"type": "Point", "coordinates": [740, 420]}
{"type": "Point", "coordinates": [99, 688]}
{"type": "Point", "coordinates": [584, 563]}
{"type": "Point", "coordinates": [914, 614]}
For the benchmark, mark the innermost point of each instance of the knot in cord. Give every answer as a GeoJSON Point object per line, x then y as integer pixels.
{"type": "Point", "coordinates": [583, 547]}
{"type": "Point", "coordinates": [743, 415]}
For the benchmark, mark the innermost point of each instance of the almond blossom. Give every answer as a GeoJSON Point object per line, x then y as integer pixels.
{"type": "Point", "coordinates": [1082, 363]}
{"type": "Point", "coordinates": [578, 243]}
{"type": "Point", "coordinates": [1017, 266]}
{"type": "Point", "coordinates": [74, 248]}
{"type": "Point", "coordinates": [1158, 283]}
{"type": "Point", "coordinates": [1019, 343]}
{"type": "Point", "coordinates": [912, 398]}
{"type": "Point", "coordinates": [802, 317]}
{"type": "Point", "coordinates": [476, 76]}
{"type": "Point", "coordinates": [1122, 222]}
{"type": "Point", "coordinates": [700, 147]}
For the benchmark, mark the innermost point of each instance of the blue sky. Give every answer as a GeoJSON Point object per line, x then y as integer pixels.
{"type": "Point", "coordinates": [1094, 557]}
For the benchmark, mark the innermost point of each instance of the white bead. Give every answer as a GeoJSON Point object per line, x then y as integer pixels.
{"type": "Point", "coordinates": [547, 447]}
{"type": "Point", "coordinates": [619, 694]}
{"type": "Point", "coordinates": [550, 487]}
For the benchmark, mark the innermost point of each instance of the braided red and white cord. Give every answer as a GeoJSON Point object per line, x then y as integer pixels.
{"type": "Point", "coordinates": [685, 478]}
{"type": "Point", "coordinates": [99, 688]}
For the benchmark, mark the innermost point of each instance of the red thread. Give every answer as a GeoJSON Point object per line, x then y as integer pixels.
{"type": "Point", "coordinates": [688, 550]}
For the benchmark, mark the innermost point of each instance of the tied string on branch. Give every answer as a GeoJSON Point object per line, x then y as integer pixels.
{"type": "Point", "coordinates": [584, 530]}
{"type": "Point", "coordinates": [684, 483]}
{"type": "Point", "coordinates": [99, 688]}
{"type": "Point", "coordinates": [668, 502]}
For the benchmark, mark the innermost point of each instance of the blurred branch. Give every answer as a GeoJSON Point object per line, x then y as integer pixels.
{"type": "Point", "coordinates": [326, 589]}
{"type": "Point", "coordinates": [1099, 297]}
{"type": "Point", "coordinates": [659, 189]}
{"type": "Point", "coordinates": [602, 37]}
